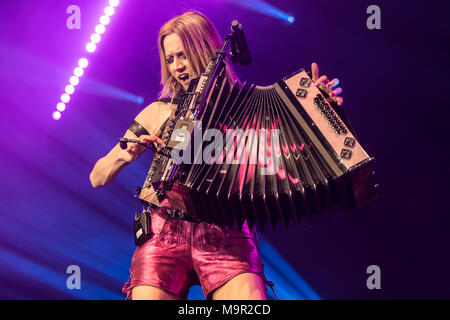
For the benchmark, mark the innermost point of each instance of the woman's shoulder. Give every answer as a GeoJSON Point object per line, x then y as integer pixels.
{"type": "Point", "coordinates": [153, 109]}
{"type": "Point", "coordinates": [153, 115]}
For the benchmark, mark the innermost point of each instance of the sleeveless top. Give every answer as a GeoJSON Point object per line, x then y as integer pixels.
{"type": "Point", "coordinates": [162, 114]}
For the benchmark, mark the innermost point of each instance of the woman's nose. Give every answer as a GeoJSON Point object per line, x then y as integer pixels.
{"type": "Point", "coordinates": [179, 65]}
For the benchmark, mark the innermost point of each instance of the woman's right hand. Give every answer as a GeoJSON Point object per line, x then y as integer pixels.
{"type": "Point", "coordinates": [134, 150]}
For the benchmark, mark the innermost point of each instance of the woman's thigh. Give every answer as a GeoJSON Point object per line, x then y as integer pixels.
{"type": "Point", "coordinates": [245, 286]}
{"type": "Point", "coordinates": [152, 293]}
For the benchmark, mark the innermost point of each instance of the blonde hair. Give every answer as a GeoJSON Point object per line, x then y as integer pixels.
{"type": "Point", "coordinates": [201, 41]}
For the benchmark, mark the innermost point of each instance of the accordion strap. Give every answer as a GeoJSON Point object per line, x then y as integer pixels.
{"type": "Point", "coordinates": [174, 100]}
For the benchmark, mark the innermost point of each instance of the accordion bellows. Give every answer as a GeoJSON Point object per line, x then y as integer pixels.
{"type": "Point", "coordinates": [292, 156]}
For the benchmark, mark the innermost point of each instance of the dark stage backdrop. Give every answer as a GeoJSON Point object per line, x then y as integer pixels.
{"type": "Point", "coordinates": [395, 88]}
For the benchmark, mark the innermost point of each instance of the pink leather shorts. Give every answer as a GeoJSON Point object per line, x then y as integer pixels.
{"type": "Point", "coordinates": [181, 254]}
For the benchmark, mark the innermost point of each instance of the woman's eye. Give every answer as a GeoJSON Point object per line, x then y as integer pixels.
{"type": "Point", "coordinates": [181, 55]}
{"type": "Point", "coordinates": [170, 60]}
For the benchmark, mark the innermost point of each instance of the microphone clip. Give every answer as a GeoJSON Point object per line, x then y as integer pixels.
{"type": "Point", "coordinates": [239, 51]}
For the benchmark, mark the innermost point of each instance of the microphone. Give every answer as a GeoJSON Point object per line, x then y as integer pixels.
{"type": "Point", "coordinates": [240, 45]}
{"type": "Point", "coordinates": [124, 142]}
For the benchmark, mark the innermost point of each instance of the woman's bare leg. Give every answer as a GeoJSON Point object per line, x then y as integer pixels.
{"type": "Point", "coordinates": [245, 286]}
{"type": "Point", "coordinates": [152, 293]}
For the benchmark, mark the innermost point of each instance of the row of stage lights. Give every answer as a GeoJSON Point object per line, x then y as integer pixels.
{"type": "Point", "coordinates": [95, 38]}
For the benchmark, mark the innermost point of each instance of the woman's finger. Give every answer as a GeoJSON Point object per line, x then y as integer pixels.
{"type": "Point", "coordinates": [339, 101]}
{"type": "Point", "coordinates": [322, 79]}
{"type": "Point", "coordinates": [333, 83]}
{"type": "Point", "coordinates": [131, 148]}
{"type": "Point", "coordinates": [159, 141]}
{"type": "Point", "coordinates": [336, 92]}
{"type": "Point", "coordinates": [314, 71]}
{"type": "Point", "coordinates": [152, 138]}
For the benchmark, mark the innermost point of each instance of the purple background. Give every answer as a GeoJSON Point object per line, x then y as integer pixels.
{"type": "Point", "coordinates": [395, 96]}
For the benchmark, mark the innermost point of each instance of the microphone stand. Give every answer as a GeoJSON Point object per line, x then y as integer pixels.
{"type": "Point", "coordinates": [214, 68]}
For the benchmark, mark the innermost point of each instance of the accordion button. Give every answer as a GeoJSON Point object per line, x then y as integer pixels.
{"type": "Point", "coordinates": [346, 153]}
{"type": "Point", "coordinates": [301, 93]}
{"type": "Point", "coordinates": [349, 142]}
{"type": "Point", "coordinates": [305, 82]}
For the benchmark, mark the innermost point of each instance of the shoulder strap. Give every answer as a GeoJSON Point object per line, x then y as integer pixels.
{"type": "Point", "coordinates": [175, 100]}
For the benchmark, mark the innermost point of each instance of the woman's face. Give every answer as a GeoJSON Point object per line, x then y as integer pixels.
{"type": "Point", "coordinates": [176, 60]}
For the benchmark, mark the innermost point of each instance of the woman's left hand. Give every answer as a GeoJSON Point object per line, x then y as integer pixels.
{"type": "Point", "coordinates": [331, 87]}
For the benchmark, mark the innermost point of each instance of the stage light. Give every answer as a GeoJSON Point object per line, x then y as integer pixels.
{"type": "Point", "coordinates": [113, 3]}
{"type": "Point", "coordinates": [56, 115]}
{"type": "Point", "coordinates": [65, 98]}
{"type": "Point", "coordinates": [90, 47]}
{"type": "Point", "coordinates": [100, 29]}
{"type": "Point", "coordinates": [109, 11]}
{"type": "Point", "coordinates": [74, 80]}
{"type": "Point", "coordinates": [140, 100]}
{"type": "Point", "coordinates": [78, 71]}
{"type": "Point", "coordinates": [265, 8]}
{"type": "Point", "coordinates": [69, 89]}
{"type": "Point", "coordinates": [104, 20]}
{"type": "Point", "coordinates": [95, 38]}
{"type": "Point", "coordinates": [61, 106]}
{"type": "Point", "coordinates": [83, 63]}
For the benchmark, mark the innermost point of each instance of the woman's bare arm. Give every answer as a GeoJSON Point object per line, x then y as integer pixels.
{"type": "Point", "coordinates": [108, 167]}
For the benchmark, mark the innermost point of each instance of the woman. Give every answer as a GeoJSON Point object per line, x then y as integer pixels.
{"type": "Point", "coordinates": [182, 253]}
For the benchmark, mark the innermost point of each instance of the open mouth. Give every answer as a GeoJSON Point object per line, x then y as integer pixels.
{"type": "Point", "coordinates": [183, 77]}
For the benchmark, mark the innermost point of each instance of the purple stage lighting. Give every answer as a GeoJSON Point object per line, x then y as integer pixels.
{"type": "Point", "coordinates": [83, 63]}
{"type": "Point", "coordinates": [65, 98]}
{"type": "Point", "coordinates": [56, 115]}
{"type": "Point", "coordinates": [95, 38]}
{"type": "Point", "coordinates": [100, 29]}
{"type": "Point", "coordinates": [104, 20]}
{"type": "Point", "coordinates": [90, 47]}
{"type": "Point", "coordinates": [74, 80]}
{"type": "Point", "coordinates": [78, 71]}
{"type": "Point", "coordinates": [265, 8]}
{"type": "Point", "coordinates": [61, 106]}
{"type": "Point", "coordinates": [69, 89]}
{"type": "Point", "coordinates": [109, 11]}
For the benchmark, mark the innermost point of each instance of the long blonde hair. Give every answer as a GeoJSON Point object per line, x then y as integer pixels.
{"type": "Point", "coordinates": [201, 41]}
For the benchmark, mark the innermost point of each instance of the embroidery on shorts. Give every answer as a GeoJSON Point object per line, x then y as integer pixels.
{"type": "Point", "coordinates": [212, 238]}
{"type": "Point", "coordinates": [170, 233]}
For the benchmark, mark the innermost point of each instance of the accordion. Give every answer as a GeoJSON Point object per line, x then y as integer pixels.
{"type": "Point", "coordinates": [265, 155]}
